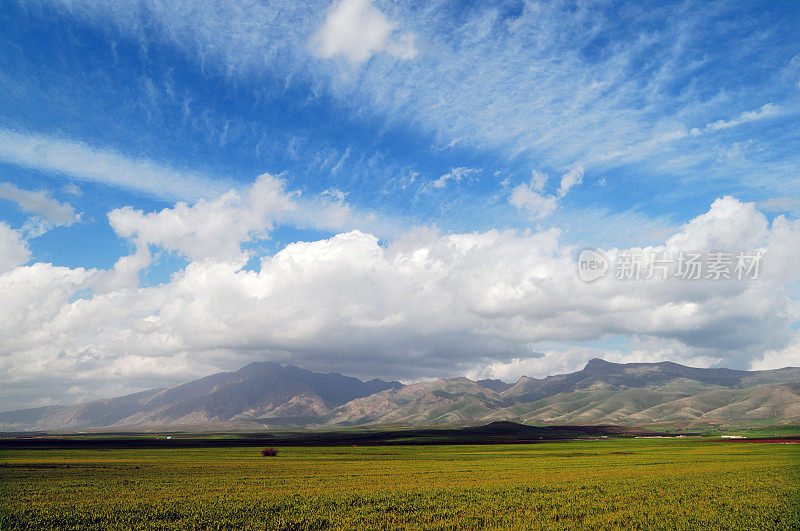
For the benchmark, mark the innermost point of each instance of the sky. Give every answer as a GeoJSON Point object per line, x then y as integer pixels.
{"type": "Point", "coordinates": [396, 190]}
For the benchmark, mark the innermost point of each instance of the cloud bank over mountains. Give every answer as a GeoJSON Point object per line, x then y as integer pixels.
{"type": "Point", "coordinates": [482, 303]}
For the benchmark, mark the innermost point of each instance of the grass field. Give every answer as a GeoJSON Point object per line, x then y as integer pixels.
{"type": "Point", "coordinates": [614, 483]}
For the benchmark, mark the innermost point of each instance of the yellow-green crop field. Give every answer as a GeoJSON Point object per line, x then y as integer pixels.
{"type": "Point", "coordinates": [628, 483]}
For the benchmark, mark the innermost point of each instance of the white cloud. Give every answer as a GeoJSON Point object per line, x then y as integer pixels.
{"type": "Point", "coordinates": [456, 175]}
{"type": "Point", "coordinates": [775, 359]}
{"type": "Point", "coordinates": [538, 205]}
{"type": "Point", "coordinates": [209, 228]}
{"type": "Point", "coordinates": [767, 110]}
{"type": "Point", "coordinates": [125, 273]}
{"type": "Point", "coordinates": [49, 212]}
{"type": "Point", "coordinates": [333, 194]}
{"type": "Point", "coordinates": [573, 177]}
{"type": "Point", "coordinates": [83, 162]}
{"type": "Point", "coordinates": [728, 225]}
{"type": "Point", "coordinates": [13, 249]}
{"type": "Point", "coordinates": [781, 204]}
{"type": "Point", "coordinates": [646, 148]}
{"type": "Point", "coordinates": [72, 189]}
{"type": "Point", "coordinates": [356, 30]}
{"type": "Point", "coordinates": [532, 198]}
{"type": "Point", "coordinates": [564, 360]}
{"type": "Point", "coordinates": [39, 203]}
{"type": "Point", "coordinates": [538, 181]}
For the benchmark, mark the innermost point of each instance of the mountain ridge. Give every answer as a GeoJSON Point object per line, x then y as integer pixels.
{"type": "Point", "coordinates": [270, 395]}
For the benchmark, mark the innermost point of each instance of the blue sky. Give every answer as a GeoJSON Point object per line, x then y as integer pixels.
{"type": "Point", "coordinates": [614, 123]}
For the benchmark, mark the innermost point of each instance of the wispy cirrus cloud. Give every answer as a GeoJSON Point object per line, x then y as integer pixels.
{"type": "Point", "coordinates": [81, 161]}
{"type": "Point", "coordinates": [767, 110]}
{"type": "Point", "coordinates": [645, 148]}
{"type": "Point", "coordinates": [546, 84]}
{"type": "Point", "coordinates": [455, 175]}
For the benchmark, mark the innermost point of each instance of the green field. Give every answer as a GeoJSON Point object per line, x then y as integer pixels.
{"type": "Point", "coordinates": [614, 483]}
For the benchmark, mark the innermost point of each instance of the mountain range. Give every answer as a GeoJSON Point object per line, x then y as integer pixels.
{"type": "Point", "coordinates": [268, 395]}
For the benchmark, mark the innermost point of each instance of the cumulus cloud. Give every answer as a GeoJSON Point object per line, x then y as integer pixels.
{"type": "Point", "coordinates": [561, 360]}
{"type": "Point", "coordinates": [532, 198]}
{"type": "Point", "coordinates": [39, 203]}
{"type": "Point", "coordinates": [728, 225]}
{"type": "Point", "coordinates": [425, 304]}
{"type": "Point", "coordinates": [529, 198]}
{"type": "Point", "coordinates": [355, 29]}
{"type": "Point", "coordinates": [48, 211]}
{"type": "Point", "coordinates": [789, 356]}
{"type": "Point", "coordinates": [13, 249]}
{"type": "Point", "coordinates": [209, 228]}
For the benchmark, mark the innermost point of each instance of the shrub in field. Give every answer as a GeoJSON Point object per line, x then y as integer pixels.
{"type": "Point", "coordinates": [269, 452]}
